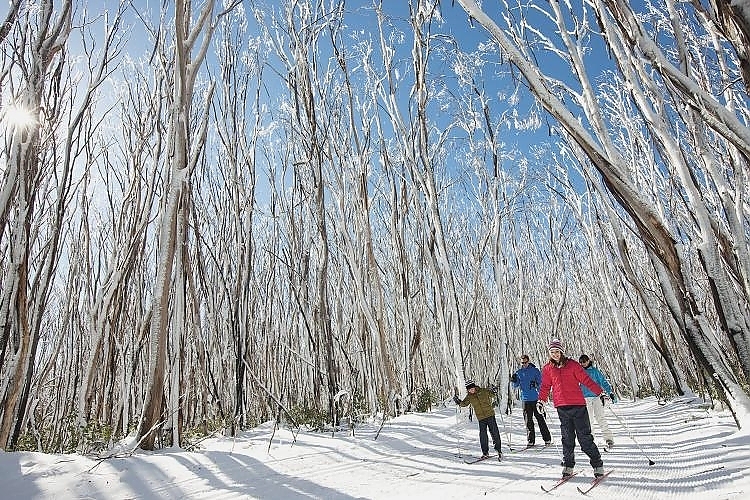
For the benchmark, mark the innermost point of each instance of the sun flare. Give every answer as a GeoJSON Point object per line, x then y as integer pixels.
{"type": "Point", "coordinates": [18, 116]}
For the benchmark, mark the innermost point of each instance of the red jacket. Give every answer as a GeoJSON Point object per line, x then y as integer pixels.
{"type": "Point", "coordinates": [564, 380]}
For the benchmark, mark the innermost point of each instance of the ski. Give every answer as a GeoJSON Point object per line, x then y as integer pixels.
{"type": "Point", "coordinates": [532, 448]}
{"type": "Point", "coordinates": [706, 471]}
{"type": "Point", "coordinates": [519, 450]}
{"type": "Point", "coordinates": [594, 483]}
{"type": "Point", "coordinates": [560, 482]}
{"type": "Point", "coordinates": [483, 458]}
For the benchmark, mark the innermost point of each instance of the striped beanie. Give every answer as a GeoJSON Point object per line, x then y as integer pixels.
{"type": "Point", "coordinates": [555, 344]}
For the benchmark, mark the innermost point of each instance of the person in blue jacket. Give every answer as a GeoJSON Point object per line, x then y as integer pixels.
{"type": "Point", "coordinates": [527, 379]}
{"type": "Point", "coordinates": [595, 404]}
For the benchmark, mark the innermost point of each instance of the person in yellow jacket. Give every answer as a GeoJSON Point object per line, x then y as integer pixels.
{"type": "Point", "coordinates": [481, 400]}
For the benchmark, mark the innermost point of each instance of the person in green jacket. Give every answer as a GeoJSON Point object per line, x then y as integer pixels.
{"type": "Point", "coordinates": [481, 400]}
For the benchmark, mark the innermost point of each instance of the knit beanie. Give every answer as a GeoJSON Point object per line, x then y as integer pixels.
{"type": "Point", "coordinates": [555, 344]}
{"type": "Point", "coordinates": [470, 383]}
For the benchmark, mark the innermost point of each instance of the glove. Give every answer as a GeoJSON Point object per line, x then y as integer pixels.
{"type": "Point", "coordinates": [604, 397]}
{"type": "Point", "coordinates": [612, 396]}
{"type": "Point", "coordinates": [534, 384]}
{"type": "Point", "coordinates": [540, 407]}
{"type": "Point", "coordinates": [514, 378]}
{"type": "Point", "coordinates": [455, 398]}
{"type": "Point", "coordinates": [494, 389]}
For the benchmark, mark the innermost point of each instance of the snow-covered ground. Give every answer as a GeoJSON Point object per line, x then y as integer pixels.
{"type": "Point", "coordinates": [697, 453]}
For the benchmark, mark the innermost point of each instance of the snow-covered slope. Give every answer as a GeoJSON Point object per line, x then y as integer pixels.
{"type": "Point", "coordinates": [697, 453]}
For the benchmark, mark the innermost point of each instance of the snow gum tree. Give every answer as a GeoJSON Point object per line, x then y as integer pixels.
{"type": "Point", "coordinates": [36, 185]}
{"type": "Point", "coordinates": [352, 187]}
{"type": "Point", "coordinates": [49, 154]}
{"type": "Point", "coordinates": [44, 35]}
{"type": "Point", "coordinates": [422, 154]}
{"type": "Point", "coordinates": [192, 39]}
{"type": "Point", "coordinates": [299, 28]}
{"type": "Point", "coordinates": [237, 113]}
{"type": "Point", "coordinates": [119, 247]}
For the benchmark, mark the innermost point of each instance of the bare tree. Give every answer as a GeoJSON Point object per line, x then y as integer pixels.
{"type": "Point", "coordinates": [39, 58]}
{"type": "Point", "coordinates": [354, 147]}
{"type": "Point", "coordinates": [131, 193]}
{"type": "Point", "coordinates": [186, 146]}
{"type": "Point", "coordinates": [238, 114]}
{"type": "Point", "coordinates": [306, 87]}
{"type": "Point", "coordinates": [422, 155]}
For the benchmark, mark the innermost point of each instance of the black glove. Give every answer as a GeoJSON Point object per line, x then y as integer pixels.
{"type": "Point", "coordinates": [604, 398]}
{"type": "Point", "coordinates": [455, 398]}
{"type": "Point", "coordinates": [540, 407]}
{"type": "Point", "coordinates": [534, 384]}
{"type": "Point", "coordinates": [494, 389]}
{"type": "Point", "coordinates": [514, 378]}
{"type": "Point", "coordinates": [612, 396]}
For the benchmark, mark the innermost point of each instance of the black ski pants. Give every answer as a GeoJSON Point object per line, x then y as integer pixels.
{"type": "Point", "coordinates": [529, 413]}
{"type": "Point", "coordinates": [491, 424]}
{"type": "Point", "coordinates": [574, 422]}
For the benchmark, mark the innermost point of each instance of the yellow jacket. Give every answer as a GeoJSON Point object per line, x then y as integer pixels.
{"type": "Point", "coordinates": [481, 401]}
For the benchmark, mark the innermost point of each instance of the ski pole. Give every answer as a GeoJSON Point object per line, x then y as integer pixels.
{"type": "Point", "coordinates": [509, 428]}
{"type": "Point", "coordinates": [630, 435]}
{"type": "Point", "coordinates": [457, 428]}
{"type": "Point", "coordinates": [543, 413]}
{"type": "Point", "coordinates": [458, 424]}
{"type": "Point", "coordinates": [513, 400]}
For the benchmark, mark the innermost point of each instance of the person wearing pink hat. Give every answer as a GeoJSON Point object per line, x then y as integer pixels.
{"type": "Point", "coordinates": [562, 376]}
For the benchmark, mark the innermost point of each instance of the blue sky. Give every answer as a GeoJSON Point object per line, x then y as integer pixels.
{"type": "Point", "coordinates": [494, 78]}
{"type": "Point", "coordinates": [360, 16]}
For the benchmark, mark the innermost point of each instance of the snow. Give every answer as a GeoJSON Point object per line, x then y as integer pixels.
{"type": "Point", "coordinates": [698, 453]}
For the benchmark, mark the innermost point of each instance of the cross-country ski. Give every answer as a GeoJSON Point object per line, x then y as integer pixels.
{"type": "Point", "coordinates": [560, 482]}
{"type": "Point", "coordinates": [478, 459]}
{"type": "Point", "coordinates": [594, 483]}
{"type": "Point", "coordinates": [533, 448]}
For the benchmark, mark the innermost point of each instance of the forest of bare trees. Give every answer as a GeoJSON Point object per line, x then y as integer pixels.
{"type": "Point", "coordinates": [214, 214]}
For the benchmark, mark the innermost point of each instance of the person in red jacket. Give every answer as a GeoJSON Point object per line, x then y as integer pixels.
{"type": "Point", "coordinates": [562, 376]}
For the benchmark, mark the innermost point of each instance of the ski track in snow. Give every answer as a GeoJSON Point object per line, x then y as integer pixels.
{"type": "Point", "coordinates": [698, 454]}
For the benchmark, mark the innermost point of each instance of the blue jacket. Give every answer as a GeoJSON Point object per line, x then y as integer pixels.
{"type": "Point", "coordinates": [597, 377]}
{"type": "Point", "coordinates": [528, 379]}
